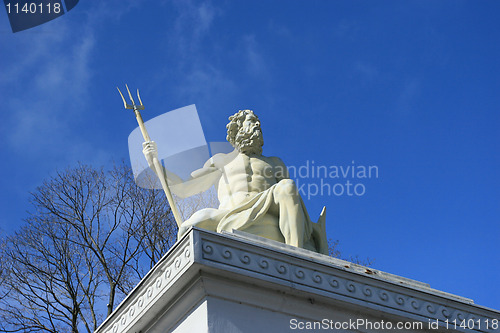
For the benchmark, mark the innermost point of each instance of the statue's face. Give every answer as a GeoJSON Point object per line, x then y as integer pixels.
{"type": "Point", "coordinates": [249, 139]}
{"type": "Point", "coordinates": [250, 125]}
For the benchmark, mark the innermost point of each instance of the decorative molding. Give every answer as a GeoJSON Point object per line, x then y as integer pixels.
{"type": "Point", "coordinates": [292, 270]}
{"type": "Point", "coordinates": [156, 283]}
{"type": "Point", "coordinates": [269, 263]}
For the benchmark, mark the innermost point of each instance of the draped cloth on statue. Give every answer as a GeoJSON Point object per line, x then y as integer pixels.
{"type": "Point", "coordinates": [261, 214]}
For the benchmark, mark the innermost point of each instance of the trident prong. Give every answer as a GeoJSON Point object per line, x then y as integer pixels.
{"type": "Point", "coordinates": [132, 106]}
{"type": "Point", "coordinates": [139, 96]}
{"type": "Point", "coordinates": [123, 99]}
{"type": "Point", "coordinates": [130, 95]}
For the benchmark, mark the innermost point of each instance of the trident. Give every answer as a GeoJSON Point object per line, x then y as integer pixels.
{"type": "Point", "coordinates": [159, 169]}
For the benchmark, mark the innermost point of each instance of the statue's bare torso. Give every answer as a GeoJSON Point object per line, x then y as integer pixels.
{"type": "Point", "coordinates": [247, 175]}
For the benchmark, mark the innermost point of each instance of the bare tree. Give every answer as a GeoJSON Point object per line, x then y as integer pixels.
{"type": "Point", "coordinates": [44, 294]}
{"type": "Point", "coordinates": [91, 237]}
{"type": "Point", "coordinates": [4, 264]}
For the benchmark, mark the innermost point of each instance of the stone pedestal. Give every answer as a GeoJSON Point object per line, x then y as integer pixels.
{"type": "Point", "coordinates": [236, 282]}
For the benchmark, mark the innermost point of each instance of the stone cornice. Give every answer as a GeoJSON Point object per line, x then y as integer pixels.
{"type": "Point", "coordinates": [402, 297]}
{"type": "Point", "coordinates": [242, 257]}
{"type": "Point", "coordinates": [155, 285]}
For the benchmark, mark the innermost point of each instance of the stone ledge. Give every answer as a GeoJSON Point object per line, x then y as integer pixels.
{"type": "Point", "coordinates": [346, 265]}
{"type": "Point", "coordinates": [270, 265]}
{"type": "Point", "coordinates": [140, 306]}
{"type": "Point", "coordinates": [305, 270]}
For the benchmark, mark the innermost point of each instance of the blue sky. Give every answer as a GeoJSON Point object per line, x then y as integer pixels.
{"type": "Point", "coordinates": [411, 87]}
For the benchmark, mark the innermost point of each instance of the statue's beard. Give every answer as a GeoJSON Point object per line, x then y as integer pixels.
{"type": "Point", "coordinates": [250, 142]}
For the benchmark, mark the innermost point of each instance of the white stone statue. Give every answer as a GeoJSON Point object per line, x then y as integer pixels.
{"type": "Point", "coordinates": [254, 191]}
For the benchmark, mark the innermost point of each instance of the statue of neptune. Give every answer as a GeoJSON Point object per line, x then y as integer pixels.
{"type": "Point", "coordinates": [254, 191]}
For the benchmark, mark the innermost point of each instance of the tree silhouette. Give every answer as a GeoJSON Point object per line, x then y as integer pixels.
{"type": "Point", "coordinates": [89, 239]}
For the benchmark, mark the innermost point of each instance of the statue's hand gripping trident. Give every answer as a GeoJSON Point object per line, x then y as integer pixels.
{"type": "Point", "coordinates": [153, 152]}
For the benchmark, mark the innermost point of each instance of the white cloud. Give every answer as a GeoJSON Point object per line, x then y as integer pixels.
{"type": "Point", "coordinates": [256, 63]}
{"type": "Point", "coordinates": [202, 80]}
{"type": "Point", "coordinates": [193, 23]}
{"type": "Point", "coordinates": [50, 84]}
{"type": "Point", "coordinates": [200, 60]}
{"type": "Point", "coordinates": [47, 73]}
{"type": "Point", "coordinates": [207, 84]}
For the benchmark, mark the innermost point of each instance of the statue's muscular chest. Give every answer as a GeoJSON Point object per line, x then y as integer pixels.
{"type": "Point", "coordinates": [250, 169]}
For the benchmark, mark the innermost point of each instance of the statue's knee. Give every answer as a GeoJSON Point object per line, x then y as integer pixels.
{"type": "Point", "coordinates": [287, 187]}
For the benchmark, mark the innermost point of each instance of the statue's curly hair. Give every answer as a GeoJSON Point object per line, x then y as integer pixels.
{"type": "Point", "coordinates": [235, 122]}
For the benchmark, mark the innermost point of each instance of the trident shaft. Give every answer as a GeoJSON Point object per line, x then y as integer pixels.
{"type": "Point", "coordinates": [158, 167]}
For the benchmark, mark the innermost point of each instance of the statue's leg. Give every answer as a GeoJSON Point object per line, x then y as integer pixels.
{"type": "Point", "coordinates": [292, 218]}
{"type": "Point", "coordinates": [207, 218]}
